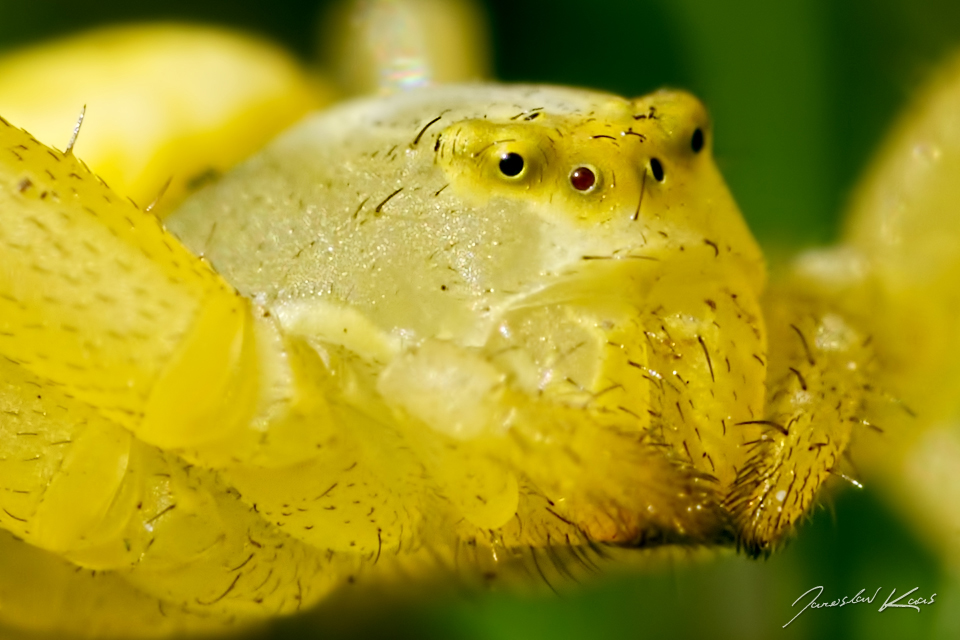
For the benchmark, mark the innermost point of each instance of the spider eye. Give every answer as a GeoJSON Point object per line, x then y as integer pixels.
{"type": "Point", "coordinates": [696, 142]}
{"type": "Point", "coordinates": [583, 179]}
{"type": "Point", "coordinates": [657, 169]}
{"type": "Point", "coordinates": [511, 164]}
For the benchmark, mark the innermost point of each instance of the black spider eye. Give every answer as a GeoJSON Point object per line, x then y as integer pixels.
{"type": "Point", "coordinates": [511, 164]}
{"type": "Point", "coordinates": [657, 169]}
{"type": "Point", "coordinates": [696, 142]}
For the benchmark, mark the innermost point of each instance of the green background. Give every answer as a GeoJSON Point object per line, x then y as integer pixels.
{"type": "Point", "coordinates": [801, 92]}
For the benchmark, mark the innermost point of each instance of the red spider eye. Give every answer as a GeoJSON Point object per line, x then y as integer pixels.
{"type": "Point", "coordinates": [583, 179]}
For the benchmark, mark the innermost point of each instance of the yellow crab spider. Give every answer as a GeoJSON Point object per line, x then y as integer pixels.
{"type": "Point", "coordinates": [480, 326]}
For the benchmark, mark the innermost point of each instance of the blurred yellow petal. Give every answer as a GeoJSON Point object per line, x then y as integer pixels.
{"type": "Point", "coordinates": [164, 102]}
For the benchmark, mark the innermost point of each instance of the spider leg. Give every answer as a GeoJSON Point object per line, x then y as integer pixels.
{"type": "Point", "coordinates": [83, 488]}
{"type": "Point", "coordinates": [106, 308]}
{"type": "Point", "coordinates": [816, 392]}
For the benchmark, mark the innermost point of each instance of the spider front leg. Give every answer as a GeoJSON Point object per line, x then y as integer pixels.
{"type": "Point", "coordinates": [79, 486]}
{"type": "Point", "coordinates": [106, 310]}
{"type": "Point", "coordinates": [817, 393]}
{"type": "Point", "coordinates": [101, 302]}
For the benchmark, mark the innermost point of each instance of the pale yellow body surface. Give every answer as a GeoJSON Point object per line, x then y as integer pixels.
{"type": "Point", "coordinates": [469, 327]}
